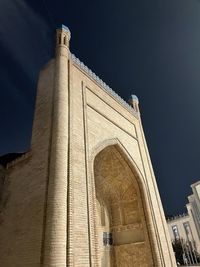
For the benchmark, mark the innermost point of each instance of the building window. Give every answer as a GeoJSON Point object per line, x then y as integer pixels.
{"type": "Point", "coordinates": [175, 231]}
{"type": "Point", "coordinates": [107, 239]}
{"type": "Point", "coordinates": [196, 210]}
{"type": "Point", "coordinates": [65, 42]}
{"type": "Point", "coordinates": [59, 39]}
{"type": "Point", "coordinates": [186, 227]}
{"type": "Point", "coordinates": [188, 231]}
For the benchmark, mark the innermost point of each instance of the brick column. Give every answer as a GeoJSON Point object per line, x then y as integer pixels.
{"type": "Point", "coordinates": [55, 240]}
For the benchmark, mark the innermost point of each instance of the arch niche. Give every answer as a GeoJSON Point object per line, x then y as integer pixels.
{"type": "Point", "coordinates": [122, 232]}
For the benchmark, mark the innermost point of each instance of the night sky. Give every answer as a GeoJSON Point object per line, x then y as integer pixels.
{"type": "Point", "coordinates": [147, 48]}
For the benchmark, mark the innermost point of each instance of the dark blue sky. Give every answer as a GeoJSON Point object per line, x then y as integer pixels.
{"type": "Point", "coordinates": [147, 48]}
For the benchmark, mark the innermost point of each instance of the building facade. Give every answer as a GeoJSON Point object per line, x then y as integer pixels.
{"type": "Point", "coordinates": [184, 234]}
{"type": "Point", "coordinates": [186, 227]}
{"type": "Point", "coordinates": [193, 206]}
{"type": "Point", "coordinates": [85, 194]}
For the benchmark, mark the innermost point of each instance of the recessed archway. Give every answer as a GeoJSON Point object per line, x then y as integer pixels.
{"type": "Point", "coordinates": [123, 238]}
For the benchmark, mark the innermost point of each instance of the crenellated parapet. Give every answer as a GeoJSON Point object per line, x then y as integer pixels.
{"type": "Point", "coordinates": [104, 86]}
{"type": "Point", "coordinates": [176, 217]}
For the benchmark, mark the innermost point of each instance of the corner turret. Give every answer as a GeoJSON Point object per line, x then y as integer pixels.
{"type": "Point", "coordinates": [63, 36]}
{"type": "Point", "coordinates": [134, 102]}
{"type": "Point", "coordinates": [55, 239]}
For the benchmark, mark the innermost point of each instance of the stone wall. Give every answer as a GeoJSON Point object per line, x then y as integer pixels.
{"type": "Point", "coordinates": [23, 194]}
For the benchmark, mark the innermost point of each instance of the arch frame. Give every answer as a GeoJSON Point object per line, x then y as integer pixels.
{"type": "Point", "coordinates": [143, 189]}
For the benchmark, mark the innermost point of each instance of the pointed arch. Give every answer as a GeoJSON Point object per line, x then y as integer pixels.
{"type": "Point", "coordinates": [134, 177]}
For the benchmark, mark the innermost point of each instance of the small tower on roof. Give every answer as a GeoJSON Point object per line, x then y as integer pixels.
{"type": "Point", "coordinates": [134, 102]}
{"type": "Point", "coordinates": [63, 36]}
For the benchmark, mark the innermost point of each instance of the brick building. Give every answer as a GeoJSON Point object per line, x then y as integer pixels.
{"type": "Point", "coordinates": [85, 194]}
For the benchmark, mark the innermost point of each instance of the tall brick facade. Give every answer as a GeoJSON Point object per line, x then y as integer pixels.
{"type": "Point", "coordinates": [88, 175]}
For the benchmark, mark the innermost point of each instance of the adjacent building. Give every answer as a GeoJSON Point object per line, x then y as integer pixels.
{"type": "Point", "coordinates": [193, 205]}
{"type": "Point", "coordinates": [186, 227]}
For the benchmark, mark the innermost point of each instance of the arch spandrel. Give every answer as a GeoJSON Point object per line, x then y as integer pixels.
{"type": "Point", "coordinates": [100, 129]}
{"type": "Point", "coordinates": [123, 150]}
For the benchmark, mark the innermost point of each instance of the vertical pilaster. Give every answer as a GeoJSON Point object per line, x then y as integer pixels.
{"type": "Point", "coordinates": [152, 228]}
{"type": "Point", "coordinates": [55, 239]}
{"type": "Point", "coordinates": [160, 238]}
{"type": "Point", "coordinates": [93, 238]}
